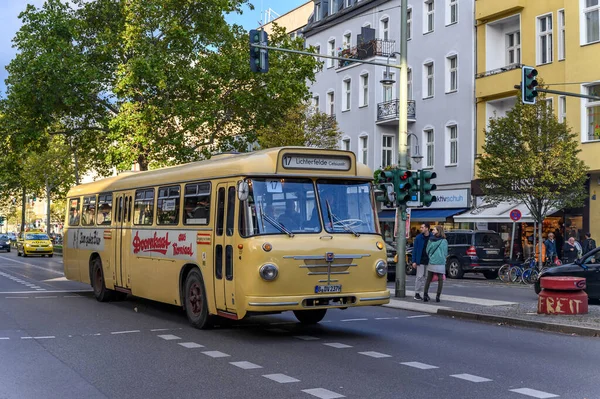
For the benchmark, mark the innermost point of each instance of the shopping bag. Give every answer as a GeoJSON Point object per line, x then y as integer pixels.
{"type": "Point", "coordinates": [435, 277]}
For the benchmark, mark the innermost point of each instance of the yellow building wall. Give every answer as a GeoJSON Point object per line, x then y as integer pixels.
{"type": "Point", "coordinates": [292, 20]}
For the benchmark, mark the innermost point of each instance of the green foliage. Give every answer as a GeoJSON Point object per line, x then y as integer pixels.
{"type": "Point", "coordinates": [530, 157]}
{"type": "Point", "coordinates": [302, 126]}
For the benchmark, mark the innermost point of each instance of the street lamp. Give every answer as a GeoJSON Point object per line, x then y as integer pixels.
{"type": "Point", "coordinates": [387, 80]}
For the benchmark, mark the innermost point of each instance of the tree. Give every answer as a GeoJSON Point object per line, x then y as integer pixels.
{"type": "Point", "coordinates": [152, 82]}
{"type": "Point", "coordinates": [302, 126]}
{"type": "Point", "coordinates": [530, 157]}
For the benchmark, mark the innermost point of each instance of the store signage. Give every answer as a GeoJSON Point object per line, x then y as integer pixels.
{"type": "Point", "coordinates": [321, 162]}
{"type": "Point", "coordinates": [451, 199]}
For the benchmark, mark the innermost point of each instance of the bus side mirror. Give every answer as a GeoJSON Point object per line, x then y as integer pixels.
{"type": "Point", "coordinates": [243, 190]}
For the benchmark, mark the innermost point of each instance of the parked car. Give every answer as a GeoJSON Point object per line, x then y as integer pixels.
{"type": "Point", "coordinates": [587, 267]}
{"type": "Point", "coordinates": [472, 251]}
{"type": "Point", "coordinates": [5, 243]}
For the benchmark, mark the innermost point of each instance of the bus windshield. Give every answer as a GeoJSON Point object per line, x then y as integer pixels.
{"type": "Point", "coordinates": [346, 206]}
{"type": "Point", "coordinates": [288, 206]}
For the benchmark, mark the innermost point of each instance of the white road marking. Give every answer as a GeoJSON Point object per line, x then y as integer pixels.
{"type": "Point", "coordinates": [470, 377]}
{"type": "Point", "coordinates": [168, 337]}
{"type": "Point", "coordinates": [17, 297]}
{"type": "Point", "coordinates": [190, 345]}
{"type": "Point", "coordinates": [338, 345]}
{"type": "Point", "coordinates": [215, 354]}
{"type": "Point", "coordinates": [306, 337]}
{"type": "Point", "coordinates": [418, 316]}
{"type": "Point", "coordinates": [33, 266]}
{"type": "Point", "coordinates": [26, 337]}
{"type": "Point", "coordinates": [534, 393]}
{"type": "Point", "coordinates": [282, 322]}
{"type": "Point", "coordinates": [463, 299]}
{"type": "Point", "coordinates": [45, 297]}
{"type": "Point", "coordinates": [40, 289]}
{"type": "Point", "coordinates": [323, 393]}
{"type": "Point", "coordinates": [160, 329]}
{"type": "Point", "coordinates": [73, 296]}
{"type": "Point", "coordinates": [281, 378]}
{"type": "Point", "coordinates": [354, 320]}
{"type": "Point", "coordinates": [277, 330]}
{"type": "Point", "coordinates": [419, 365]}
{"type": "Point", "coordinates": [384, 318]}
{"type": "Point", "coordinates": [246, 365]}
{"type": "Point", "coordinates": [376, 355]}
{"type": "Point", "coordinates": [125, 332]}
{"type": "Point", "coordinates": [47, 337]}
{"type": "Point", "coordinates": [56, 279]}
{"type": "Point", "coordinates": [4, 338]}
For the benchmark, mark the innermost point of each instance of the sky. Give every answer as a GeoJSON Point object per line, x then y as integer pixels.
{"type": "Point", "coordinates": [10, 23]}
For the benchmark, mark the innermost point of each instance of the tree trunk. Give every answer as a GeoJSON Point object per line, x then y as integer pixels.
{"type": "Point", "coordinates": [143, 162]}
{"type": "Point", "coordinates": [540, 225]}
{"type": "Point", "coordinates": [23, 209]}
{"type": "Point", "coordinates": [48, 188]}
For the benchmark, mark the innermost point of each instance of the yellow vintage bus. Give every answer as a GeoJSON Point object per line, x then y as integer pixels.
{"type": "Point", "coordinates": [264, 232]}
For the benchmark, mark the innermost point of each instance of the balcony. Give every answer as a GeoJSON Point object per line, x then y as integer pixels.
{"type": "Point", "coordinates": [498, 82]}
{"type": "Point", "coordinates": [366, 50]}
{"type": "Point", "coordinates": [388, 112]}
{"type": "Point", "coordinates": [486, 10]}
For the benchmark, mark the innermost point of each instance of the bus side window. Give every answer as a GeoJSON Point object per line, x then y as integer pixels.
{"type": "Point", "coordinates": [230, 210]}
{"type": "Point", "coordinates": [104, 213]}
{"type": "Point", "coordinates": [167, 206]}
{"type": "Point", "coordinates": [143, 212]}
{"type": "Point", "coordinates": [220, 211]}
{"type": "Point", "coordinates": [89, 211]}
{"type": "Point", "coordinates": [196, 203]}
{"type": "Point", "coordinates": [74, 212]}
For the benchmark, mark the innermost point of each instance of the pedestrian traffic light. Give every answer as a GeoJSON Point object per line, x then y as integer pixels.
{"type": "Point", "coordinates": [425, 187]}
{"type": "Point", "coordinates": [528, 84]}
{"type": "Point", "coordinates": [259, 58]}
{"type": "Point", "coordinates": [402, 185]}
{"type": "Point", "coordinates": [413, 182]}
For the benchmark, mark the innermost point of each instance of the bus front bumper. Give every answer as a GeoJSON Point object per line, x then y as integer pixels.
{"type": "Point", "coordinates": [322, 301]}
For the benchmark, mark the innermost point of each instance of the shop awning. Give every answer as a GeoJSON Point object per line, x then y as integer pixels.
{"type": "Point", "coordinates": [434, 215]}
{"type": "Point", "coordinates": [496, 213]}
{"type": "Point", "coordinates": [387, 215]}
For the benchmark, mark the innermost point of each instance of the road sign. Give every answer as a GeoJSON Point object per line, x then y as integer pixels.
{"type": "Point", "coordinates": [515, 215]}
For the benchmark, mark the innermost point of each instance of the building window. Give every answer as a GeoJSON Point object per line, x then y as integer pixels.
{"type": "Point", "coordinates": [429, 148]}
{"type": "Point", "coordinates": [409, 24]}
{"type": "Point", "coordinates": [544, 33]}
{"type": "Point", "coordinates": [452, 12]}
{"type": "Point", "coordinates": [346, 144]}
{"type": "Point", "coordinates": [429, 10]}
{"type": "Point", "coordinates": [331, 103]}
{"type": "Point", "coordinates": [364, 93]}
{"type": "Point", "coordinates": [452, 74]}
{"type": "Point", "coordinates": [346, 87]}
{"type": "Point", "coordinates": [332, 7]}
{"type": "Point", "coordinates": [409, 84]}
{"type": "Point", "coordinates": [591, 16]}
{"type": "Point", "coordinates": [385, 31]}
{"type": "Point", "coordinates": [317, 12]}
{"type": "Point", "coordinates": [347, 43]}
{"type": "Point", "coordinates": [562, 108]}
{"type": "Point", "coordinates": [388, 91]}
{"type": "Point", "coordinates": [348, 3]}
{"type": "Point", "coordinates": [330, 62]}
{"type": "Point", "coordinates": [452, 152]}
{"type": "Point", "coordinates": [364, 149]}
{"type": "Point", "coordinates": [513, 48]}
{"type": "Point", "coordinates": [387, 145]}
{"type": "Point", "coordinates": [592, 111]}
{"type": "Point", "coordinates": [428, 80]}
{"type": "Point", "coordinates": [561, 35]}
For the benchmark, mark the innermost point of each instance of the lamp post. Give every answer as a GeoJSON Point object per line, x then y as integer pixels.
{"type": "Point", "coordinates": [400, 288]}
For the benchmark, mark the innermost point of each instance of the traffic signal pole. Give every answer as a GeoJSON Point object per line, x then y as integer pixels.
{"type": "Point", "coordinates": [400, 287]}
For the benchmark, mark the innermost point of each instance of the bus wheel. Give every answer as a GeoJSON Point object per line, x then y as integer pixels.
{"type": "Point", "coordinates": [310, 316]}
{"type": "Point", "coordinates": [196, 306]}
{"type": "Point", "coordinates": [101, 293]}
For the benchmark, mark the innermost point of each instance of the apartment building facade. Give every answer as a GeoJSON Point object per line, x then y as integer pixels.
{"type": "Point", "coordinates": [441, 115]}
{"type": "Point", "coordinates": [561, 39]}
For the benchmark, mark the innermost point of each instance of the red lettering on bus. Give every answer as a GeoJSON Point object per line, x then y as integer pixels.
{"type": "Point", "coordinates": [185, 250]}
{"type": "Point", "coordinates": [152, 244]}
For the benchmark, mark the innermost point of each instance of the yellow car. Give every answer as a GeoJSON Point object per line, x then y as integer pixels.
{"type": "Point", "coordinates": [34, 243]}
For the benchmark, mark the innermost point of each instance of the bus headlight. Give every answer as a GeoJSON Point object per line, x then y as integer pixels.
{"type": "Point", "coordinates": [268, 272]}
{"type": "Point", "coordinates": [381, 268]}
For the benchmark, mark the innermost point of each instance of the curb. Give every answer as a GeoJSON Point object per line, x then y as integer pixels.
{"type": "Point", "coordinates": [514, 321]}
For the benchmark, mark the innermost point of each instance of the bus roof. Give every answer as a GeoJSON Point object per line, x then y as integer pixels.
{"type": "Point", "coordinates": [263, 162]}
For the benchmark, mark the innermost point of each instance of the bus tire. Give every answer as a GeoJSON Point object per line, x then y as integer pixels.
{"type": "Point", "coordinates": [310, 316]}
{"type": "Point", "coordinates": [101, 293]}
{"type": "Point", "coordinates": [196, 306]}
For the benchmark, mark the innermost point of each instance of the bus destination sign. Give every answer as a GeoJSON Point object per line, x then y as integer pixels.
{"type": "Point", "coordinates": [322, 162]}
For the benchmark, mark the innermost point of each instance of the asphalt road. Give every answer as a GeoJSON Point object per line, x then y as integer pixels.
{"type": "Point", "coordinates": [61, 343]}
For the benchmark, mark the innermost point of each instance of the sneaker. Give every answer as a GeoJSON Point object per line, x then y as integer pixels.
{"type": "Point", "coordinates": [417, 297]}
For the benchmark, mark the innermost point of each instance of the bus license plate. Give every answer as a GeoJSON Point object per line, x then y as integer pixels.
{"type": "Point", "coordinates": [322, 289]}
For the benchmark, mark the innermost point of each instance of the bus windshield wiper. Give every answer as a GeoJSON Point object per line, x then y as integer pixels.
{"type": "Point", "coordinates": [334, 219]}
{"type": "Point", "coordinates": [273, 222]}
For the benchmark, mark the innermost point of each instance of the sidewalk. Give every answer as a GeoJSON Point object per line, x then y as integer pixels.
{"type": "Point", "coordinates": [522, 314]}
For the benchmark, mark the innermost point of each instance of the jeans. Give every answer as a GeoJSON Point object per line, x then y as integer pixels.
{"type": "Point", "coordinates": [420, 280]}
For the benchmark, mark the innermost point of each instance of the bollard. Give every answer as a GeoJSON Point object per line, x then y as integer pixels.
{"type": "Point", "coordinates": [563, 295]}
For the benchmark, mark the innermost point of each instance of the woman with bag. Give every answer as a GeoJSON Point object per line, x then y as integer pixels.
{"type": "Point", "coordinates": [437, 250]}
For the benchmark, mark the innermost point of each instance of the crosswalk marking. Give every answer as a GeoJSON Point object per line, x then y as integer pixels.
{"type": "Point", "coordinates": [281, 378]}
{"type": "Point", "coordinates": [323, 393]}
{"type": "Point", "coordinates": [470, 377]}
{"type": "Point", "coordinates": [338, 345]}
{"type": "Point", "coordinates": [534, 393]}
{"type": "Point", "coordinates": [168, 337]}
{"type": "Point", "coordinates": [419, 365]}
{"type": "Point", "coordinates": [376, 355]}
{"type": "Point", "coordinates": [246, 365]}
{"type": "Point", "coordinates": [190, 345]}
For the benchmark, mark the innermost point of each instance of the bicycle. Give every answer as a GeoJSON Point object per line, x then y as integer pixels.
{"type": "Point", "coordinates": [522, 273]}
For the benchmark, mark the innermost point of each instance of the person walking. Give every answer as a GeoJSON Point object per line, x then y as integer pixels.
{"type": "Point", "coordinates": [437, 251]}
{"type": "Point", "coordinates": [550, 244]}
{"type": "Point", "coordinates": [420, 259]}
{"type": "Point", "coordinates": [589, 243]}
{"type": "Point", "coordinates": [570, 251]}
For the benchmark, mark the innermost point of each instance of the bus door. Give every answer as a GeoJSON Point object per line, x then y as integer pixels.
{"type": "Point", "coordinates": [225, 227]}
{"type": "Point", "coordinates": [123, 204]}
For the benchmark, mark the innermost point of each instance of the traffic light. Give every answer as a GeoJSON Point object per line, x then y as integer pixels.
{"type": "Point", "coordinates": [385, 183]}
{"type": "Point", "coordinates": [413, 182]}
{"type": "Point", "coordinates": [425, 187]}
{"type": "Point", "coordinates": [528, 84]}
{"type": "Point", "coordinates": [259, 58]}
{"type": "Point", "coordinates": [402, 185]}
